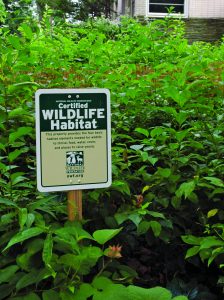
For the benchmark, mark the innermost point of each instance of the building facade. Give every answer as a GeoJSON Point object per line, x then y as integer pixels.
{"type": "Point", "coordinates": [204, 9]}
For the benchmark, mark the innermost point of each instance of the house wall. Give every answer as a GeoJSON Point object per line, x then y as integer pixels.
{"type": "Point", "coordinates": [127, 7]}
{"type": "Point", "coordinates": [123, 7]}
{"type": "Point", "coordinates": [206, 30]}
{"type": "Point", "coordinates": [140, 7]}
{"type": "Point", "coordinates": [117, 7]}
{"type": "Point", "coordinates": [206, 8]}
{"type": "Point", "coordinates": [195, 8]}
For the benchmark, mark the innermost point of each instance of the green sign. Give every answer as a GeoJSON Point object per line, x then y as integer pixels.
{"type": "Point", "coordinates": [73, 139]}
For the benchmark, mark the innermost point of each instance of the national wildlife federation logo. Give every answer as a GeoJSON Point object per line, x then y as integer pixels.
{"type": "Point", "coordinates": [74, 162]}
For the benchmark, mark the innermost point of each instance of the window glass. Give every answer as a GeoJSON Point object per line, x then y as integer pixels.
{"type": "Point", "coordinates": [173, 2]}
{"type": "Point", "coordinates": [161, 6]}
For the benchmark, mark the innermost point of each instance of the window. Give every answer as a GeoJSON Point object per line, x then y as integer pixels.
{"type": "Point", "coordinates": [160, 7]}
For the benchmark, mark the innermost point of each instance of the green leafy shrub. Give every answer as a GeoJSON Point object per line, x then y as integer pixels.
{"type": "Point", "coordinates": [102, 288]}
{"type": "Point", "coordinates": [208, 247]}
{"type": "Point", "coordinates": [167, 132]}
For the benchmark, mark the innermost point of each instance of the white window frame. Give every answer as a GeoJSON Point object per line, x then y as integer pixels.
{"type": "Point", "coordinates": [162, 15]}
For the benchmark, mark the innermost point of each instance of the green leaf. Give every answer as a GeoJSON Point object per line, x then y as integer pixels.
{"type": "Point", "coordinates": [26, 83]}
{"type": "Point", "coordinates": [186, 189]}
{"type": "Point", "coordinates": [13, 155]}
{"type": "Point", "coordinates": [181, 117]}
{"type": "Point", "coordinates": [144, 156]}
{"type": "Point", "coordinates": [173, 92]}
{"type": "Point", "coordinates": [24, 235]}
{"type": "Point", "coordinates": [121, 186]}
{"type": "Point", "coordinates": [33, 277]}
{"type": "Point", "coordinates": [50, 295]}
{"type": "Point", "coordinates": [156, 131]}
{"type": "Point", "coordinates": [155, 214]}
{"type": "Point", "coordinates": [212, 212]}
{"type": "Point", "coordinates": [7, 273]}
{"type": "Point", "coordinates": [193, 198]}
{"type": "Point", "coordinates": [21, 132]}
{"type": "Point", "coordinates": [142, 131]}
{"type": "Point", "coordinates": [215, 181]}
{"type": "Point", "coordinates": [192, 251]}
{"type": "Point", "coordinates": [156, 227]}
{"type": "Point", "coordinates": [211, 241]}
{"type": "Point", "coordinates": [30, 296]}
{"type": "Point", "coordinates": [2, 12]}
{"type": "Point", "coordinates": [196, 145]}
{"type": "Point", "coordinates": [8, 218]}
{"type": "Point", "coordinates": [121, 217]}
{"type": "Point", "coordinates": [24, 260]}
{"type": "Point", "coordinates": [145, 189]}
{"type": "Point", "coordinates": [22, 217]}
{"type": "Point", "coordinates": [143, 227]}
{"type": "Point", "coordinates": [127, 272]}
{"type": "Point", "coordinates": [6, 291]}
{"type": "Point", "coordinates": [65, 238]}
{"type": "Point", "coordinates": [47, 249]}
{"type": "Point", "coordinates": [83, 262]}
{"type": "Point", "coordinates": [71, 230]}
{"type": "Point", "coordinates": [7, 202]}
{"type": "Point", "coordinates": [3, 117]}
{"type": "Point", "coordinates": [85, 291]}
{"type": "Point", "coordinates": [156, 293]}
{"type": "Point", "coordinates": [104, 235]}
{"type": "Point", "coordinates": [215, 253]}
{"type": "Point", "coordinates": [176, 202]}
{"type": "Point", "coordinates": [135, 218]}
{"type": "Point", "coordinates": [26, 30]}
{"type": "Point", "coordinates": [101, 283]}
{"type": "Point", "coordinates": [19, 111]}
{"type": "Point", "coordinates": [180, 135]}
{"type": "Point", "coordinates": [192, 240]}
{"type": "Point", "coordinates": [26, 280]}
{"type": "Point", "coordinates": [152, 160]}
{"type": "Point", "coordinates": [19, 181]}
{"type": "Point", "coordinates": [14, 41]}
{"type": "Point", "coordinates": [180, 298]}
{"type": "Point", "coordinates": [180, 97]}
{"type": "Point", "coordinates": [30, 219]}
{"type": "Point", "coordinates": [136, 147]}
{"type": "Point", "coordinates": [109, 291]}
{"type": "Point", "coordinates": [14, 177]}
{"type": "Point", "coordinates": [164, 172]}
{"type": "Point", "coordinates": [2, 147]}
{"type": "Point", "coordinates": [67, 295]}
{"type": "Point", "coordinates": [205, 254]}
{"type": "Point", "coordinates": [76, 229]}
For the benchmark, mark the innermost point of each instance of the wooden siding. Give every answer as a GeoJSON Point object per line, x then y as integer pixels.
{"type": "Point", "coordinates": [195, 8]}
{"type": "Point", "coordinates": [206, 8]}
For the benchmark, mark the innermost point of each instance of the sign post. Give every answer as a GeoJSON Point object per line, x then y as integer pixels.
{"type": "Point", "coordinates": [74, 205]}
{"type": "Point", "coordinates": [73, 139]}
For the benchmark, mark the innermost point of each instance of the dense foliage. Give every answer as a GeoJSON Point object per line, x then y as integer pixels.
{"type": "Point", "coordinates": [65, 9]}
{"type": "Point", "coordinates": [167, 138]}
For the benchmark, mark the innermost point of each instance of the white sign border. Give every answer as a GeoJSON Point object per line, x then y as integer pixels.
{"type": "Point", "coordinates": [38, 151]}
